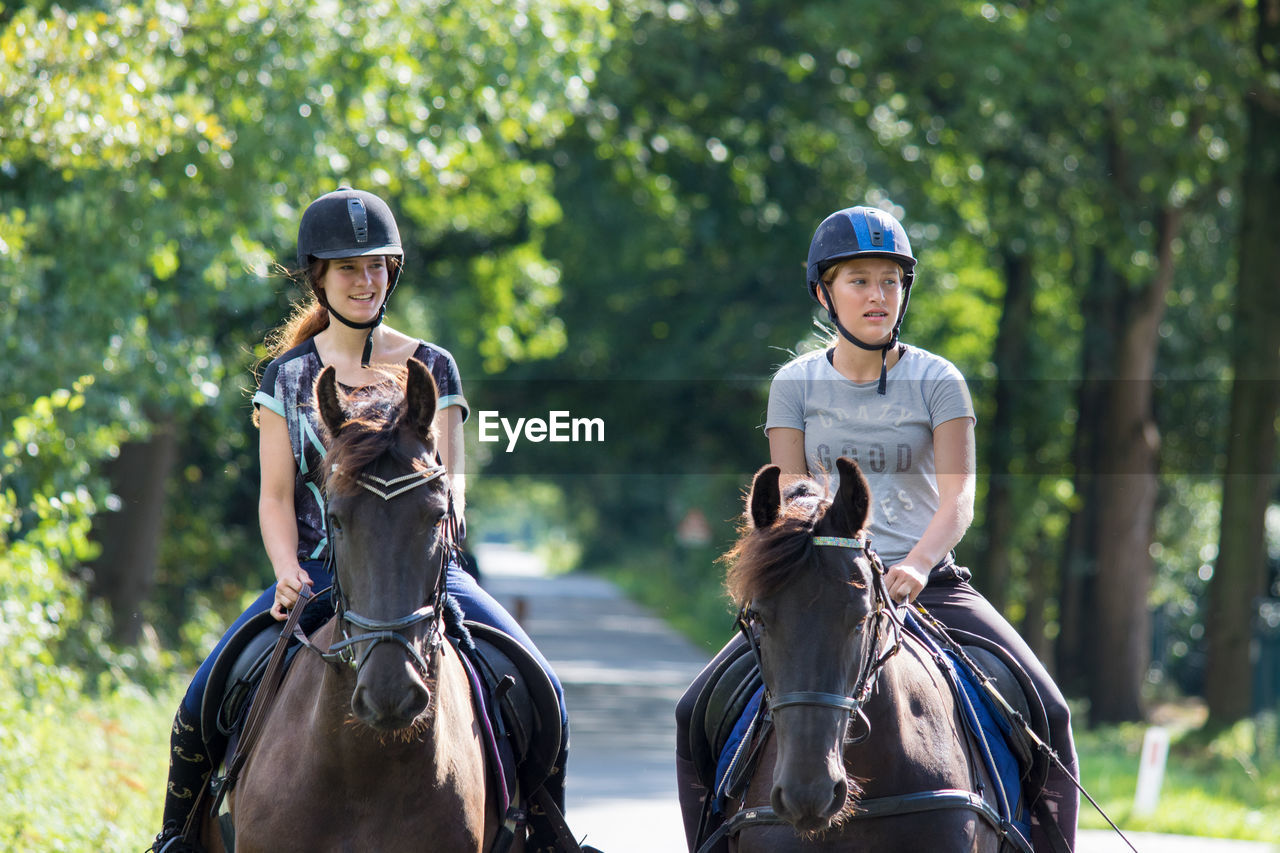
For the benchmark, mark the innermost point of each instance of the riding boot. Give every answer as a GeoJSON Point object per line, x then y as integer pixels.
{"type": "Point", "coordinates": [1053, 822]}
{"type": "Point", "coordinates": [189, 768]}
{"type": "Point", "coordinates": [542, 837]}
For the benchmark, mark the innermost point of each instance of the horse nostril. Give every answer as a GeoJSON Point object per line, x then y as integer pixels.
{"type": "Point", "coordinates": [415, 702]}
{"type": "Point", "coordinates": [839, 795]}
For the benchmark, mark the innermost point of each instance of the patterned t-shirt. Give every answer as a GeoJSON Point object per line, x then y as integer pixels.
{"type": "Point", "coordinates": [288, 389]}
{"type": "Point", "coordinates": [890, 436]}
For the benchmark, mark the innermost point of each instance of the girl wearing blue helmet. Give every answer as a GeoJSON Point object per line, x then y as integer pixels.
{"type": "Point", "coordinates": [906, 417]}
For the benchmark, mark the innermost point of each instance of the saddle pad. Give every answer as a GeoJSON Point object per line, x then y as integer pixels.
{"type": "Point", "coordinates": [987, 725]}
{"type": "Point", "coordinates": [731, 764]}
{"type": "Point", "coordinates": [1017, 688]}
{"type": "Point", "coordinates": [529, 707]}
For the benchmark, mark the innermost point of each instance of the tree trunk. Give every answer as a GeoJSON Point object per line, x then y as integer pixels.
{"type": "Point", "coordinates": [1239, 576]}
{"type": "Point", "coordinates": [1034, 623]}
{"type": "Point", "coordinates": [1127, 490]}
{"type": "Point", "coordinates": [994, 566]}
{"type": "Point", "coordinates": [1101, 309]}
{"type": "Point", "coordinates": [130, 537]}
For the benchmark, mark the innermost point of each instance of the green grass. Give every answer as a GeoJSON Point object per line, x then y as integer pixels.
{"type": "Point", "coordinates": [83, 774]}
{"type": "Point", "coordinates": [1227, 786]}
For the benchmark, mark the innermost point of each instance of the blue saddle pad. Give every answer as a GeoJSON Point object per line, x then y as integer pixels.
{"type": "Point", "coordinates": [734, 747]}
{"type": "Point", "coordinates": [987, 724]}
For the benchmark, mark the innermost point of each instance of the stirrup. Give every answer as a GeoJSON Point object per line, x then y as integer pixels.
{"type": "Point", "coordinates": [170, 840]}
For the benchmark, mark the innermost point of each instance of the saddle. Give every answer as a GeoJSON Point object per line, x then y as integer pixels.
{"type": "Point", "coordinates": [719, 708]}
{"type": "Point", "coordinates": [521, 702]}
{"type": "Point", "coordinates": [1017, 689]}
{"type": "Point", "coordinates": [235, 676]}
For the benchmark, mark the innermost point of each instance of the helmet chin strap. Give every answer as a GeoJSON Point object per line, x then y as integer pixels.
{"type": "Point", "coordinates": [884, 348]}
{"type": "Point", "coordinates": [368, 324]}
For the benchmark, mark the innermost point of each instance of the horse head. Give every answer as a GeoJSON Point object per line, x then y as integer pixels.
{"type": "Point", "coordinates": [805, 586]}
{"type": "Point", "coordinates": [386, 503]}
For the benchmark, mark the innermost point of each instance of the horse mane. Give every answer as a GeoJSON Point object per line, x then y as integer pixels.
{"type": "Point", "coordinates": [763, 560]}
{"type": "Point", "coordinates": [371, 431]}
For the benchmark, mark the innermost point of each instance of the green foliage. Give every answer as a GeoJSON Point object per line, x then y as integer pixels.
{"type": "Point", "coordinates": [155, 159]}
{"type": "Point", "coordinates": [82, 775]}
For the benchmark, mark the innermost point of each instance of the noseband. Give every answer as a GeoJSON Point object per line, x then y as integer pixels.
{"type": "Point", "coordinates": [873, 660]}
{"type": "Point", "coordinates": [377, 631]}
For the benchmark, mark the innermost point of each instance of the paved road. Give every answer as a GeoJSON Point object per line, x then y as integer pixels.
{"type": "Point", "coordinates": [623, 670]}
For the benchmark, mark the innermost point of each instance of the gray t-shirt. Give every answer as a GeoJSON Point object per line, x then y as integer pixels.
{"type": "Point", "coordinates": [890, 436]}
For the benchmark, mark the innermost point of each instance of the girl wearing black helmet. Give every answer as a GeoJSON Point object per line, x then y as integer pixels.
{"type": "Point", "coordinates": [350, 258]}
{"type": "Point", "coordinates": [906, 417]}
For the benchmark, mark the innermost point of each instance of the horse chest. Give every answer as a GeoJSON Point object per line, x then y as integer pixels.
{"type": "Point", "coordinates": [320, 781]}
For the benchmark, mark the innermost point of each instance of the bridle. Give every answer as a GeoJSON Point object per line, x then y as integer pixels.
{"type": "Point", "coordinates": [376, 631]}
{"type": "Point", "coordinates": [883, 612]}
{"type": "Point", "coordinates": [873, 660]}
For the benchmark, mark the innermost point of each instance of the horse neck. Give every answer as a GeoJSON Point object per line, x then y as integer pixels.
{"type": "Point", "coordinates": [908, 683]}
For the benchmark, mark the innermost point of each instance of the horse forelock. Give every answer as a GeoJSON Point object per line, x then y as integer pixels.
{"type": "Point", "coordinates": [765, 559]}
{"type": "Point", "coordinates": [374, 429]}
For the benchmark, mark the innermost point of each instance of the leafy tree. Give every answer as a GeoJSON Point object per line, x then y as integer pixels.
{"type": "Point", "coordinates": [156, 157]}
{"type": "Point", "coordinates": [1249, 481]}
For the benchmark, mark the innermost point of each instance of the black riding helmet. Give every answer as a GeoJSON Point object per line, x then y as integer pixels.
{"type": "Point", "coordinates": [865, 232]}
{"type": "Point", "coordinates": [350, 223]}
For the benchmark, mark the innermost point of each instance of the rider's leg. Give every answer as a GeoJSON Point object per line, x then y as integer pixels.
{"type": "Point", "coordinates": [480, 606]}
{"type": "Point", "coordinates": [190, 760]}
{"type": "Point", "coordinates": [958, 605]}
{"type": "Point", "coordinates": [690, 791]}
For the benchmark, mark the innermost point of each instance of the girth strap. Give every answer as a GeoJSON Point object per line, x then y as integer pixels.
{"type": "Point", "coordinates": [923, 801]}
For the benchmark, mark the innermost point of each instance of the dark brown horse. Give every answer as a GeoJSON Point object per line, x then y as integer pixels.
{"type": "Point", "coordinates": [865, 751]}
{"type": "Point", "coordinates": [374, 745]}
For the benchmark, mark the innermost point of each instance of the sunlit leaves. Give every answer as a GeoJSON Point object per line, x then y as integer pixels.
{"type": "Point", "coordinates": [127, 109]}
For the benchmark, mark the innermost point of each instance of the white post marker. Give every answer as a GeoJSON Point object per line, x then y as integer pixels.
{"type": "Point", "coordinates": [1155, 753]}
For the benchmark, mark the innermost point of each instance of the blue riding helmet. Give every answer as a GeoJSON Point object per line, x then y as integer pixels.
{"type": "Point", "coordinates": [859, 232]}
{"type": "Point", "coordinates": [865, 232]}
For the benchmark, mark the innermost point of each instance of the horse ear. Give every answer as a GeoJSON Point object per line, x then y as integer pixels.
{"type": "Point", "coordinates": [848, 512]}
{"type": "Point", "coordinates": [420, 397]}
{"type": "Point", "coordinates": [766, 498]}
{"type": "Point", "coordinates": [327, 400]}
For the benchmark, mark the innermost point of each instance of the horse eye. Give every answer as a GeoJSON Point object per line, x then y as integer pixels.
{"type": "Point", "coordinates": [335, 524]}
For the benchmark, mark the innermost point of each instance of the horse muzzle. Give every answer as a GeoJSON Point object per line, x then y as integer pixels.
{"type": "Point", "coordinates": [813, 804]}
{"type": "Point", "coordinates": [390, 694]}
{"type": "Point", "coordinates": [810, 787]}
